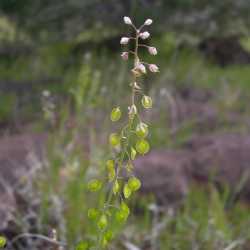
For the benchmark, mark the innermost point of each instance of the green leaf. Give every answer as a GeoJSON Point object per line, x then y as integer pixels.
{"type": "Point", "coordinates": [133, 153]}
{"type": "Point", "coordinates": [94, 185]}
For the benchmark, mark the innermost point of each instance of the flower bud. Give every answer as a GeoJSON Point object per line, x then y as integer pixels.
{"type": "Point", "coordinates": [152, 51]}
{"type": "Point", "coordinates": [141, 68]}
{"type": "Point", "coordinates": [144, 35]}
{"type": "Point", "coordinates": [127, 20]}
{"type": "Point", "coordinates": [124, 56]}
{"type": "Point", "coordinates": [153, 68]}
{"type": "Point", "coordinates": [148, 22]}
{"type": "Point", "coordinates": [124, 40]}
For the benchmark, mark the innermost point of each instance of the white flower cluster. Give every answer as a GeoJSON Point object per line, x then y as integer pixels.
{"type": "Point", "coordinates": [143, 35]}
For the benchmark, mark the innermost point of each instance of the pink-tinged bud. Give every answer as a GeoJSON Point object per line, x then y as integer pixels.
{"type": "Point", "coordinates": [148, 22]}
{"type": "Point", "coordinates": [142, 68]}
{"type": "Point", "coordinates": [152, 51]}
{"type": "Point", "coordinates": [127, 20]}
{"type": "Point", "coordinates": [124, 56]}
{"type": "Point", "coordinates": [144, 35]}
{"type": "Point", "coordinates": [153, 68]}
{"type": "Point", "coordinates": [124, 40]}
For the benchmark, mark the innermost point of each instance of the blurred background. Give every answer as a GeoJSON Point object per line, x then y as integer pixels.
{"type": "Point", "coordinates": [60, 75]}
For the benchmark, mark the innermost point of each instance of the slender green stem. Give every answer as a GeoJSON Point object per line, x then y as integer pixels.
{"type": "Point", "coordinates": [127, 134]}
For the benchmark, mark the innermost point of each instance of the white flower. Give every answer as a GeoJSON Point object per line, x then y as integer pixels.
{"type": "Point", "coordinates": [124, 40]}
{"type": "Point", "coordinates": [153, 68]}
{"type": "Point", "coordinates": [152, 51]}
{"type": "Point", "coordinates": [144, 35]}
{"type": "Point", "coordinates": [142, 68]}
{"type": "Point", "coordinates": [124, 56]}
{"type": "Point", "coordinates": [148, 22]}
{"type": "Point", "coordinates": [127, 20]}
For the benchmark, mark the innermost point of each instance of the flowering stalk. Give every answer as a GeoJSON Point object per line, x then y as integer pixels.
{"type": "Point", "coordinates": [126, 144]}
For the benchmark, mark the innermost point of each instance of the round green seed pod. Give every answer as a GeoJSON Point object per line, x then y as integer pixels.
{"type": "Point", "coordinates": [134, 184]}
{"type": "Point", "coordinates": [110, 164]}
{"type": "Point", "coordinates": [114, 139]}
{"type": "Point", "coordinates": [115, 114]}
{"type": "Point", "coordinates": [142, 147]}
{"type": "Point", "coordinates": [93, 213]}
{"type": "Point", "coordinates": [103, 222]}
{"type": "Point", "coordinates": [108, 235]}
{"type": "Point", "coordinates": [141, 130]}
{"type": "Point", "coordinates": [82, 245]}
{"type": "Point", "coordinates": [147, 102]}
{"type": "Point", "coordinates": [94, 185]}
{"type": "Point", "coordinates": [3, 241]}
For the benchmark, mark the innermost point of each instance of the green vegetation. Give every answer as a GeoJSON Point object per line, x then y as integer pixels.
{"type": "Point", "coordinates": [65, 80]}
